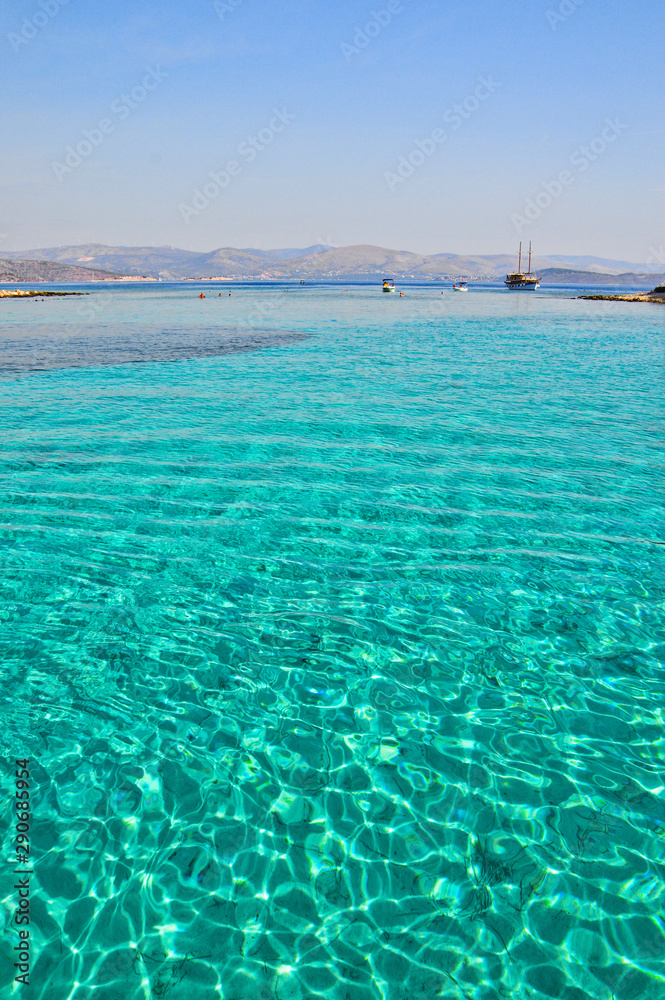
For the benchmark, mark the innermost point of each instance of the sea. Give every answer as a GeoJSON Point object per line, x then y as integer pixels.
{"type": "Point", "coordinates": [332, 631]}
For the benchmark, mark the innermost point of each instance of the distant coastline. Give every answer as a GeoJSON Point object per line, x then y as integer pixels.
{"type": "Point", "coordinates": [97, 262]}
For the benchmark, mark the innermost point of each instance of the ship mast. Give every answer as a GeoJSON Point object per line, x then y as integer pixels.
{"type": "Point", "coordinates": [519, 265]}
{"type": "Point", "coordinates": [529, 256]}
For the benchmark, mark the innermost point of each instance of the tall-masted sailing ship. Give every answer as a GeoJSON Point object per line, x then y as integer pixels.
{"type": "Point", "coordinates": [519, 279]}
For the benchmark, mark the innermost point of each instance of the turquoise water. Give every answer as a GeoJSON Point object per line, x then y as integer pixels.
{"type": "Point", "coordinates": [336, 637]}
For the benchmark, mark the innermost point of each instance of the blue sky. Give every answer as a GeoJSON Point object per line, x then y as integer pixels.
{"type": "Point", "coordinates": [361, 88]}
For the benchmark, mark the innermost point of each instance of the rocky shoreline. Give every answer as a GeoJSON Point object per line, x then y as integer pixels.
{"type": "Point", "coordinates": [13, 293]}
{"type": "Point", "coordinates": [656, 295]}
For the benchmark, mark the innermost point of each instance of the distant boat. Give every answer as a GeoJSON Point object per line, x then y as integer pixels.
{"type": "Point", "coordinates": [462, 287]}
{"type": "Point", "coordinates": [388, 285]}
{"type": "Point", "coordinates": [521, 280]}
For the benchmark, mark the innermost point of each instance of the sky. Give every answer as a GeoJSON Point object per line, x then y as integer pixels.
{"type": "Point", "coordinates": [412, 124]}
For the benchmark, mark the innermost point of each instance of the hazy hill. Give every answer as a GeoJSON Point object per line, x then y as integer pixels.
{"type": "Point", "coordinates": [368, 262]}
{"type": "Point", "coordinates": [316, 262]}
{"type": "Point", "coordinates": [150, 261]}
{"type": "Point", "coordinates": [354, 262]}
{"type": "Point", "coordinates": [166, 261]}
{"type": "Point", "coordinates": [45, 270]}
{"type": "Point", "coordinates": [289, 253]}
{"type": "Point", "coordinates": [560, 276]}
{"type": "Point", "coordinates": [498, 265]}
{"type": "Point", "coordinates": [224, 263]}
{"type": "Point", "coordinates": [598, 264]}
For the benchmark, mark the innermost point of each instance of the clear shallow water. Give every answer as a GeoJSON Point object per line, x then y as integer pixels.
{"type": "Point", "coordinates": [113, 327]}
{"type": "Point", "coordinates": [340, 661]}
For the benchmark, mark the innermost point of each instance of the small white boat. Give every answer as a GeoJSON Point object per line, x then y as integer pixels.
{"type": "Point", "coordinates": [462, 287]}
{"type": "Point", "coordinates": [388, 285]}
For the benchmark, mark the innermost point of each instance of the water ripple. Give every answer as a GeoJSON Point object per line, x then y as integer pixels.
{"type": "Point", "coordinates": [340, 663]}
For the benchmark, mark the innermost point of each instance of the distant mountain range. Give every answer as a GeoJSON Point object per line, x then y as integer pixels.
{"type": "Point", "coordinates": [18, 271]}
{"type": "Point", "coordinates": [166, 262]}
{"type": "Point", "coordinates": [561, 276]}
{"type": "Point", "coordinates": [94, 262]}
